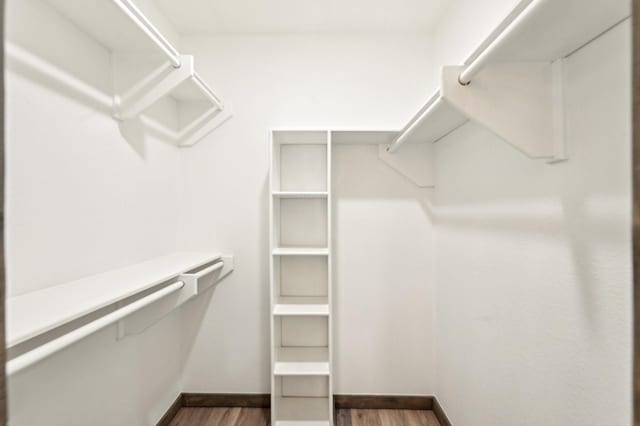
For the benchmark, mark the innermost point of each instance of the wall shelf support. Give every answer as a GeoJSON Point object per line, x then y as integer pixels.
{"type": "Point", "coordinates": [195, 283]}
{"type": "Point", "coordinates": [414, 161]}
{"type": "Point", "coordinates": [520, 102]}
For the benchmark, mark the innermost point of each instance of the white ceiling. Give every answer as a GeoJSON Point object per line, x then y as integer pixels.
{"type": "Point", "coordinates": [301, 16]}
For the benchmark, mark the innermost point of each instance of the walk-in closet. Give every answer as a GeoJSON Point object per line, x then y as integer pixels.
{"type": "Point", "coordinates": [319, 213]}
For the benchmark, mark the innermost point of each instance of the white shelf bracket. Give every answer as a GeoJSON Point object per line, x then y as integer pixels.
{"type": "Point", "coordinates": [520, 102]}
{"type": "Point", "coordinates": [194, 284]}
{"type": "Point", "coordinates": [415, 161]}
{"type": "Point", "coordinates": [152, 88]}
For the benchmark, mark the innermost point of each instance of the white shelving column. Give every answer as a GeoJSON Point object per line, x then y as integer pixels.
{"type": "Point", "coordinates": [300, 221]}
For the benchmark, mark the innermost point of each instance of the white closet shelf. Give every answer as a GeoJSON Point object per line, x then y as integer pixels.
{"type": "Point", "coordinates": [301, 306]}
{"type": "Point", "coordinates": [35, 313]}
{"type": "Point", "coordinates": [301, 310]}
{"type": "Point", "coordinates": [284, 194]}
{"type": "Point", "coordinates": [302, 423]}
{"type": "Point", "coordinates": [513, 82]}
{"type": "Point", "coordinates": [302, 300]}
{"type": "Point", "coordinates": [301, 369]}
{"type": "Point", "coordinates": [124, 29]}
{"type": "Point", "coordinates": [301, 251]}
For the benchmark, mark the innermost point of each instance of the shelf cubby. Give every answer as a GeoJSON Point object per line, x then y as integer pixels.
{"type": "Point", "coordinates": [300, 251]}
{"type": "Point", "coordinates": [513, 83]}
{"type": "Point", "coordinates": [299, 161]}
{"type": "Point", "coordinates": [300, 222]}
{"type": "Point", "coordinates": [300, 279]}
{"type": "Point", "coordinates": [302, 400]}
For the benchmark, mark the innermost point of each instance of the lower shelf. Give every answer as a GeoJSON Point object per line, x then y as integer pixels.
{"type": "Point", "coordinates": [302, 251]}
{"type": "Point", "coordinates": [299, 310]}
{"type": "Point", "coordinates": [303, 411]}
{"type": "Point", "coordinates": [301, 369]}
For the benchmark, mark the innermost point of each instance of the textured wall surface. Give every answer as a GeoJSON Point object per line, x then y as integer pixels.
{"type": "Point", "coordinates": [533, 264]}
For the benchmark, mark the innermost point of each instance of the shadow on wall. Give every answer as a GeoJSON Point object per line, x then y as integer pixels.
{"type": "Point", "coordinates": [487, 188]}
{"type": "Point", "coordinates": [377, 181]}
{"type": "Point", "coordinates": [383, 270]}
{"type": "Point", "coordinates": [192, 319]}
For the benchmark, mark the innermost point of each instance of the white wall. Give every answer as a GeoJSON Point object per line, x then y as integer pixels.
{"type": "Point", "coordinates": [309, 81]}
{"type": "Point", "coordinates": [533, 264]}
{"type": "Point", "coordinates": [82, 200]}
{"type": "Point", "coordinates": [384, 288]}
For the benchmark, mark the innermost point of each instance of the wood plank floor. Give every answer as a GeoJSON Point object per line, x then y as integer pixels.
{"type": "Point", "coordinates": [190, 416]}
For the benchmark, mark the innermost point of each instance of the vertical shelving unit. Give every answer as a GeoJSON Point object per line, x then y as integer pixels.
{"type": "Point", "coordinates": [300, 220]}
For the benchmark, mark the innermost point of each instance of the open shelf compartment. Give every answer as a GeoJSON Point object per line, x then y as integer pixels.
{"type": "Point", "coordinates": [301, 346]}
{"type": "Point", "coordinates": [300, 222]}
{"type": "Point", "coordinates": [300, 162]}
{"type": "Point", "coordinates": [302, 400]}
{"type": "Point", "coordinates": [300, 284]}
{"type": "Point", "coordinates": [297, 411]}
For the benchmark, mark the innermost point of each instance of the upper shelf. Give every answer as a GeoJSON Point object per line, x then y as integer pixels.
{"type": "Point", "coordinates": [110, 22]}
{"type": "Point", "coordinates": [132, 38]}
{"type": "Point", "coordinates": [545, 30]}
{"type": "Point", "coordinates": [302, 251]}
{"type": "Point", "coordinates": [38, 312]}
{"type": "Point", "coordinates": [513, 82]}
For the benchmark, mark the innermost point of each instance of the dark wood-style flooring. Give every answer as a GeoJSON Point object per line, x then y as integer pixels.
{"type": "Point", "coordinates": [191, 416]}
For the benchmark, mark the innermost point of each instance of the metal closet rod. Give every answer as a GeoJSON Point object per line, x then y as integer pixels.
{"type": "Point", "coordinates": [150, 30]}
{"type": "Point", "coordinates": [41, 352]}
